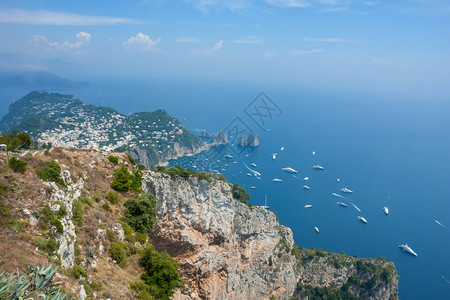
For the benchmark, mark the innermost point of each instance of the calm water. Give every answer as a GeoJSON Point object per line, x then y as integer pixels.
{"type": "Point", "coordinates": [390, 152]}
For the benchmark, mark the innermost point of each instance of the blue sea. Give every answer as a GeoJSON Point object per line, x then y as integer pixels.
{"type": "Point", "coordinates": [391, 151]}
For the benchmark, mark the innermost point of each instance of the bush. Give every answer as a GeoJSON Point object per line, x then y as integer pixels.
{"type": "Point", "coordinates": [141, 213]}
{"type": "Point", "coordinates": [77, 212]}
{"type": "Point", "coordinates": [122, 179]}
{"type": "Point", "coordinates": [161, 272]}
{"type": "Point", "coordinates": [17, 165]}
{"type": "Point", "coordinates": [143, 291]}
{"type": "Point", "coordinates": [78, 272]}
{"type": "Point", "coordinates": [131, 159]}
{"type": "Point", "coordinates": [106, 207]}
{"type": "Point", "coordinates": [113, 159]}
{"type": "Point", "coordinates": [50, 172]}
{"type": "Point", "coordinates": [113, 197]}
{"type": "Point", "coordinates": [240, 194]}
{"type": "Point", "coordinates": [141, 238]}
{"type": "Point", "coordinates": [117, 251]}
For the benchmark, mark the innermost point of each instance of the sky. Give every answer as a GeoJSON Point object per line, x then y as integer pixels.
{"type": "Point", "coordinates": [391, 45]}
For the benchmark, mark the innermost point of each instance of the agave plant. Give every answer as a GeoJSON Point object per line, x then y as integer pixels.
{"type": "Point", "coordinates": [37, 283]}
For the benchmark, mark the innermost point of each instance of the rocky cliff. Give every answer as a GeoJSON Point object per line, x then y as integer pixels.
{"type": "Point", "coordinates": [225, 248]}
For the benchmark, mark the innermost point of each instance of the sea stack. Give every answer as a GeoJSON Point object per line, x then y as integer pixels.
{"type": "Point", "coordinates": [253, 140]}
{"type": "Point", "coordinates": [220, 138]}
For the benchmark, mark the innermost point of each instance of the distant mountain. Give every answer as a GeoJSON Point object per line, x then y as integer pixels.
{"type": "Point", "coordinates": [150, 137]}
{"type": "Point", "coordinates": [38, 80]}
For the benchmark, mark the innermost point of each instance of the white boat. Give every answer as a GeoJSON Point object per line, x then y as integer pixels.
{"type": "Point", "coordinates": [306, 178]}
{"type": "Point", "coordinates": [362, 219]}
{"type": "Point", "coordinates": [228, 156]}
{"type": "Point", "coordinates": [342, 204]}
{"type": "Point", "coordinates": [306, 187]}
{"type": "Point", "coordinates": [408, 249]}
{"type": "Point", "coordinates": [338, 180]}
{"type": "Point", "coordinates": [316, 229]}
{"type": "Point", "coordinates": [277, 180]}
{"type": "Point", "coordinates": [253, 187]}
{"type": "Point", "coordinates": [248, 174]}
{"type": "Point", "coordinates": [253, 164]}
{"type": "Point", "coordinates": [346, 190]}
{"type": "Point", "coordinates": [308, 206]}
{"type": "Point", "coordinates": [386, 210]}
{"type": "Point", "coordinates": [282, 148]}
{"type": "Point", "coordinates": [274, 156]}
{"type": "Point", "coordinates": [314, 152]}
{"type": "Point", "coordinates": [318, 167]}
{"type": "Point", "coordinates": [289, 169]}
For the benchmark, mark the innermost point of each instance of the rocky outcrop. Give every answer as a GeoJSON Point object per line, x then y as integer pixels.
{"type": "Point", "coordinates": [252, 140]}
{"type": "Point", "coordinates": [139, 155]}
{"type": "Point", "coordinates": [65, 196]}
{"type": "Point", "coordinates": [220, 138]}
{"type": "Point", "coordinates": [243, 141]}
{"type": "Point", "coordinates": [226, 249]}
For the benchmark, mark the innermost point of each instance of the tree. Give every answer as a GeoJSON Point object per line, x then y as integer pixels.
{"type": "Point", "coordinates": [122, 179]}
{"type": "Point", "coordinates": [161, 272]}
{"type": "Point", "coordinates": [141, 213]}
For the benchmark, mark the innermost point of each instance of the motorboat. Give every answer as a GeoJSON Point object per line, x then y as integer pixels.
{"type": "Point", "coordinates": [318, 167]}
{"type": "Point", "coordinates": [306, 187]}
{"type": "Point", "coordinates": [386, 210]}
{"type": "Point", "coordinates": [277, 180]}
{"type": "Point", "coordinates": [289, 169]}
{"type": "Point", "coordinates": [346, 190]}
{"type": "Point", "coordinates": [248, 174]}
{"type": "Point", "coordinates": [306, 178]}
{"type": "Point", "coordinates": [408, 249]}
{"type": "Point", "coordinates": [362, 219]}
{"type": "Point", "coordinates": [254, 165]}
{"type": "Point", "coordinates": [342, 204]}
{"type": "Point", "coordinates": [308, 206]}
{"type": "Point", "coordinates": [316, 229]}
{"type": "Point", "coordinates": [253, 187]}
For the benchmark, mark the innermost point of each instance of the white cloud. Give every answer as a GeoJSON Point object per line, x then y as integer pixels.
{"type": "Point", "coordinates": [45, 17]}
{"type": "Point", "coordinates": [82, 39]}
{"type": "Point", "coordinates": [330, 40]}
{"type": "Point", "coordinates": [299, 52]}
{"type": "Point", "coordinates": [269, 55]}
{"type": "Point", "coordinates": [233, 5]}
{"type": "Point", "coordinates": [209, 51]}
{"type": "Point", "coordinates": [142, 41]}
{"type": "Point", "coordinates": [251, 39]}
{"type": "Point", "coordinates": [289, 3]}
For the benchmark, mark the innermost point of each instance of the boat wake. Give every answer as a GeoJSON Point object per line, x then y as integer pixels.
{"type": "Point", "coordinates": [356, 207]}
{"type": "Point", "coordinates": [340, 196]}
{"type": "Point", "coordinates": [297, 177]}
{"type": "Point", "coordinates": [253, 171]}
{"type": "Point", "coordinates": [441, 224]}
{"type": "Point", "coordinates": [445, 279]}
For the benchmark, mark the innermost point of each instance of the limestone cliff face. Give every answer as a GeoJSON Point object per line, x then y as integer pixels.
{"type": "Point", "coordinates": [226, 249]}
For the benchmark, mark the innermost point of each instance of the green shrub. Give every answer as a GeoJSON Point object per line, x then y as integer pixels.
{"type": "Point", "coordinates": [50, 171]}
{"type": "Point", "coordinates": [57, 223]}
{"type": "Point", "coordinates": [143, 291]}
{"type": "Point", "coordinates": [113, 197]}
{"type": "Point", "coordinates": [141, 213]}
{"type": "Point", "coordinates": [78, 272]}
{"type": "Point", "coordinates": [110, 235]}
{"type": "Point", "coordinates": [113, 159]}
{"type": "Point", "coordinates": [117, 251]}
{"type": "Point", "coordinates": [131, 159]}
{"type": "Point", "coordinates": [17, 165]}
{"type": "Point", "coordinates": [161, 272]}
{"type": "Point", "coordinates": [77, 212]}
{"type": "Point", "coordinates": [122, 179]}
{"type": "Point", "coordinates": [240, 194]}
{"type": "Point", "coordinates": [106, 207]}
{"type": "Point", "coordinates": [141, 238]}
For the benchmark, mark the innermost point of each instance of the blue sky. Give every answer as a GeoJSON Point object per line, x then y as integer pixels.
{"type": "Point", "coordinates": [318, 43]}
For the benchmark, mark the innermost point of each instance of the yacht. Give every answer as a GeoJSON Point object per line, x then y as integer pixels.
{"type": "Point", "coordinates": [289, 169]}
{"type": "Point", "coordinates": [277, 180]}
{"type": "Point", "coordinates": [306, 187]}
{"type": "Point", "coordinates": [248, 174]}
{"type": "Point", "coordinates": [306, 178]}
{"type": "Point", "coordinates": [318, 167]}
{"type": "Point", "coordinates": [316, 229]}
{"type": "Point", "coordinates": [228, 156]}
{"type": "Point", "coordinates": [274, 156]}
{"type": "Point", "coordinates": [408, 249]}
{"type": "Point", "coordinates": [346, 190]}
{"type": "Point", "coordinates": [362, 219]}
{"type": "Point", "coordinates": [386, 210]}
{"type": "Point", "coordinates": [308, 206]}
{"type": "Point", "coordinates": [342, 204]}
{"type": "Point", "coordinates": [253, 187]}
{"type": "Point", "coordinates": [282, 148]}
{"type": "Point", "coordinates": [253, 164]}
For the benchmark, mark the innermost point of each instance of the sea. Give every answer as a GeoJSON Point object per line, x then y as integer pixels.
{"type": "Point", "coordinates": [389, 150]}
